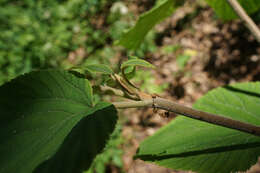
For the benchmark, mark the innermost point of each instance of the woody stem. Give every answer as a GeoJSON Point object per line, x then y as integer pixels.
{"type": "Point", "coordinates": [170, 106]}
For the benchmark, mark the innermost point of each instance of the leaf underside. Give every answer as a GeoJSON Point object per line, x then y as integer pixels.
{"type": "Point", "coordinates": [187, 144]}
{"type": "Point", "coordinates": [48, 119]}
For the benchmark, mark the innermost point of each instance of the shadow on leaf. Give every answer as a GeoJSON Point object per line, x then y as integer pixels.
{"type": "Point", "coordinates": [87, 139]}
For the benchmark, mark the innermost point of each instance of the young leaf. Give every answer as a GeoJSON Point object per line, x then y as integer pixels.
{"type": "Point", "coordinates": [99, 68]}
{"type": "Point", "coordinates": [48, 123]}
{"type": "Point", "coordinates": [135, 35]}
{"type": "Point", "coordinates": [136, 62]}
{"type": "Point", "coordinates": [188, 144]}
{"type": "Point", "coordinates": [130, 70]}
{"type": "Point", "coordinates": [225, 12]}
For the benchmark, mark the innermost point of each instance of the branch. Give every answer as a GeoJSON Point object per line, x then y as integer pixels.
{"type": "Point", "coordinates": [133, 104]}
{"type": "Point", "coordinates": [245, 18]}
{"type": "Point", "coordinates": [170, 106]}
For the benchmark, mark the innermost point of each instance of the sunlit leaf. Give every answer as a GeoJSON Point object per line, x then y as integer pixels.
{"type": "Point", "coordinates": [135, 35]}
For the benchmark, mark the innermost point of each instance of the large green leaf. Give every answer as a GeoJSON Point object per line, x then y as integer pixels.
{"type": "Point", "coordinates": [48, 121]}
{"type": "Point", "coordinates": [187, 144]}
{"type": "Point", "coordinates": [135, 35]}
{"type": "Point", "coordinates": [225, 12]}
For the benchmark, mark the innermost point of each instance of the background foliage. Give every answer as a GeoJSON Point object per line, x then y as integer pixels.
{"type": "Point", "coordinates": [41, 34]}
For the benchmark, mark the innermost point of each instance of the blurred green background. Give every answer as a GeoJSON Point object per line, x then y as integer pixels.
{"type": "Point", "coordinates": [59, 33]}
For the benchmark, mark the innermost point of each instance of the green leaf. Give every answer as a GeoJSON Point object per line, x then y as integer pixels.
{"type": "Point", "coordinates": [225, 12]}
{"type": "Point", "coordinates": [48, 123]}
{"type": "Point", "coordinates": [99, 68]}
{"type": "Point", "coordinates": [136, 62]}
{"type": "Point", "coordinates": [187, 144]}
{"type": "Point", "coordinates": [130, 70]}
{"type": "Point", "coordinates": [135, 35]}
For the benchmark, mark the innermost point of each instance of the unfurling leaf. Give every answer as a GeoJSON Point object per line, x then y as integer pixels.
{"type": "Point", "coordinates": [136, 62]}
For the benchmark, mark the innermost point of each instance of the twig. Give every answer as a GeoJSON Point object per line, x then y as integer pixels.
{"type": "Point", "coordinates": [245, 18]}
{"type": "Point", "coordinates": [170, 106]}
{"type": "Point", "coordinates": [133, 104]}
